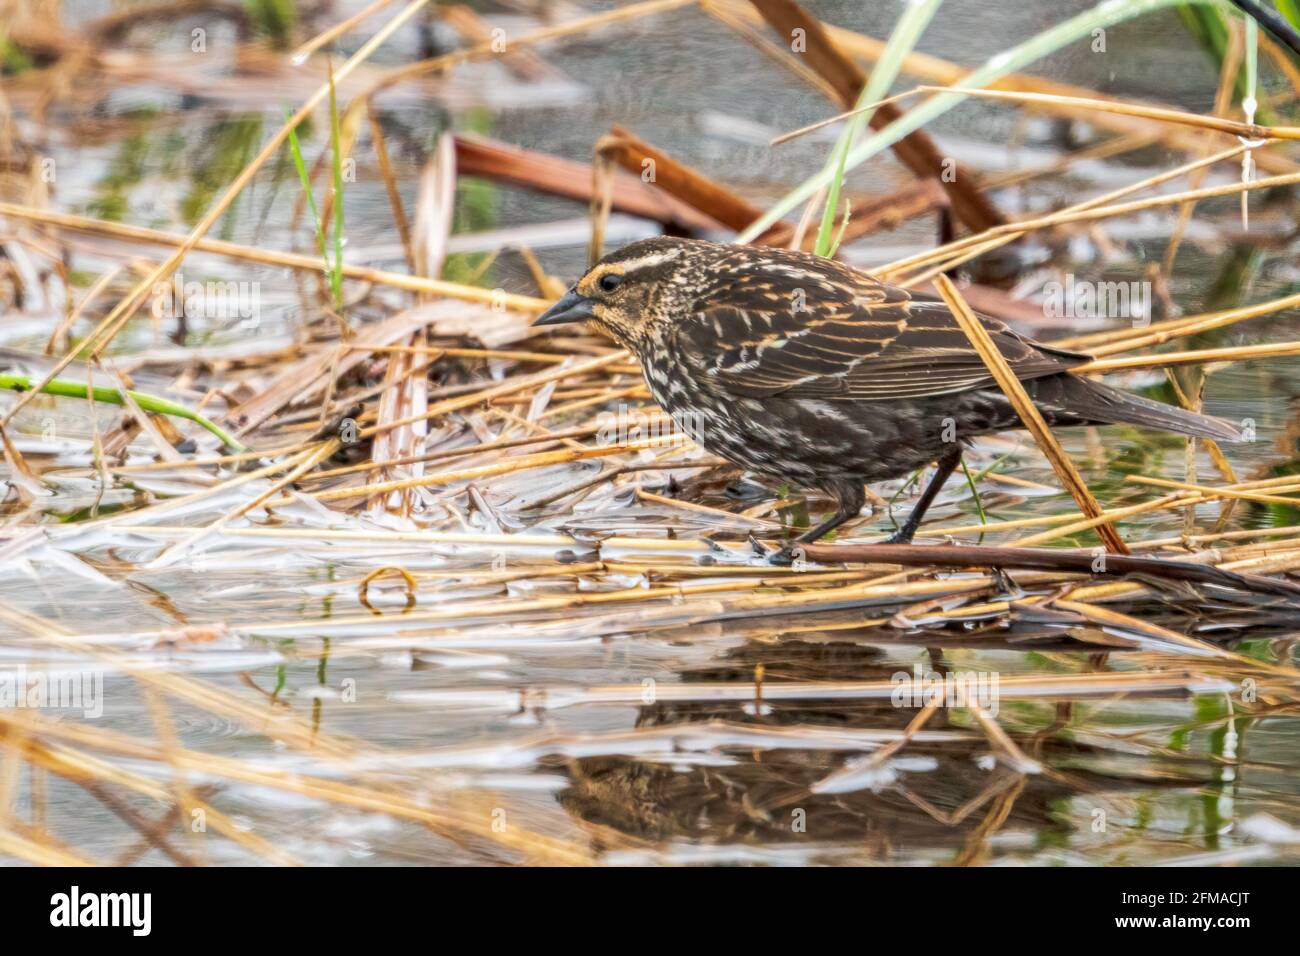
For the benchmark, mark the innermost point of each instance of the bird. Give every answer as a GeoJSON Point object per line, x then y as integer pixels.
{"type": "Point", "coordinates": [808, 372]}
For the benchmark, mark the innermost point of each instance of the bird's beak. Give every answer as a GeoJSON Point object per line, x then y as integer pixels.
{"type": "Point", "coordinates": [571, 308]}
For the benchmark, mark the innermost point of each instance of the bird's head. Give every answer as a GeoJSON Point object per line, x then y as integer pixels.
{"type": "Point", "coordinates": [631, 291]}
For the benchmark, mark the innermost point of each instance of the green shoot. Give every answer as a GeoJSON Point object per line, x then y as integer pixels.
{"type": "Point", "coordinates": [975, 493]}
{"type": "Point", "coordinates": [329, 236]}
{"type": "Point", "coordinates": [1008, 61]}
{"type": "Point", "coordinates": [336, 152]}
{"type": "Point", "coordinates": [839, 234]}
{"type": "Point", "coordinates": [111, 396]}
{"type": "Point", "coordinates": [295, 150]}
{"type": "Point", "coordinates": [910, 26]}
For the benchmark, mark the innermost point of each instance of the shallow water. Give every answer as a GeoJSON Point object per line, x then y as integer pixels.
{"type": "Point", "coordinates": [634, 728]}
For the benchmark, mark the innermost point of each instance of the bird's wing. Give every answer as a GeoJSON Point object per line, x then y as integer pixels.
{"type": "Point", "coordinates": [844, 336]}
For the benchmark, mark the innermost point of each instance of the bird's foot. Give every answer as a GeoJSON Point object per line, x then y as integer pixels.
{"type": "Point", "coordinates": [788, 555]}
{"type": "Point", "coordinates": [901, 536]}
{"type": "Point", "coordinates": [782, 557]}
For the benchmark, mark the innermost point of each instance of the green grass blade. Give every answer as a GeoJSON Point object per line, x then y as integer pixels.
{"type": "Point", "coordinates": [274, 18]}
{"type": "Point", "coordinates": [1018, 57]}
{"type": "Point", "coordinates": [295, 150]}
{"type": "Point", "coordinates": [916, 17]}
{"type": "Point", "coordinates": [975, 493]}
{"type": "Point", "coordinates": [111, 396]}
{"type": "Point", "coordinates": [839, 235]}
{"type": "Point", "coordinates": [336, 152]}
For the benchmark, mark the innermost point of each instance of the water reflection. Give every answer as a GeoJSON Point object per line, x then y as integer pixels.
{"type": "Point", "coordinates": [939, 799]}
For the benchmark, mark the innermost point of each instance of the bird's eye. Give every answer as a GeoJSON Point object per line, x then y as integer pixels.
{"type": "Point", "coordinates": [609, 281]}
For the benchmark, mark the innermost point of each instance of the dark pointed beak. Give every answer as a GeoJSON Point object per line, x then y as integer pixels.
{"type": "Point", "coordinates": [571, 308]}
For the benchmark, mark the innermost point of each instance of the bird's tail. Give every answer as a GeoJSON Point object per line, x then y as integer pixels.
{"type": "Point", "coordinates": [1091, 402]}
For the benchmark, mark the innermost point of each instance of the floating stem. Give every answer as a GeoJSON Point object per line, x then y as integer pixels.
{"type": "Point", "coordinates": [111, 396]}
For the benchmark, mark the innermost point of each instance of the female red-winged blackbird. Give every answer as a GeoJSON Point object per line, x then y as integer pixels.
{"type": "Point", "coordinates": [804, 370]}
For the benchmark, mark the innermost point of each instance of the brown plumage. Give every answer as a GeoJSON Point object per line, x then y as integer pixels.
{"type": "Point", "coordinates": [804, 370]}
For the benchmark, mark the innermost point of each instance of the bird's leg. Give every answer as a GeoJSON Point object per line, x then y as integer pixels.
{"type": "Point", "coordinates": [945, 466]}
{"type": "Point", "coordinates": [849, 499]}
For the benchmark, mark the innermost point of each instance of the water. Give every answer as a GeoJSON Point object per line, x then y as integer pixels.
{"type": "Point", "coordinates": [633, 711]}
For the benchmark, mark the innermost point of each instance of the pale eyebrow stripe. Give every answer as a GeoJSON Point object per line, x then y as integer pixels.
{"type": "Point", "coordinates": [647, 261]}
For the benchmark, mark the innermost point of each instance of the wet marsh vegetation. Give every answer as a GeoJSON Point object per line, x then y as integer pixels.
{"type": "Point", "coordinates": [349, 565]}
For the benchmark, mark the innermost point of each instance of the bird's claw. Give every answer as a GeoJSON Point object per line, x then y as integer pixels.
{"type": "Point", "coordinates": [790, 554]}
{"type": "Point", "coordinates": [782, 557]}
